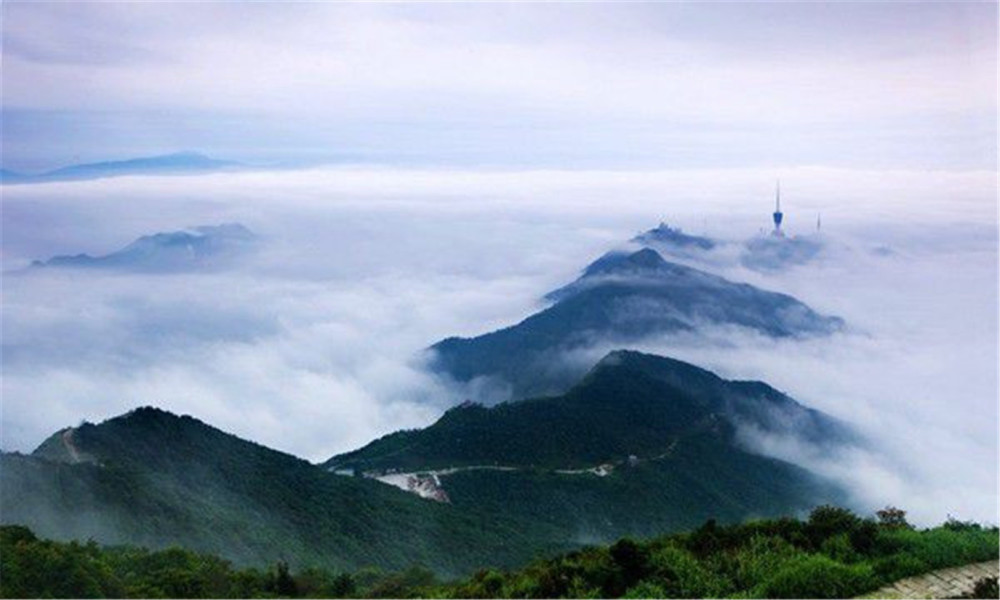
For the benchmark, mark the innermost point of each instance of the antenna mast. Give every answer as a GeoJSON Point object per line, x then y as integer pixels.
{"type": "Point", "coordinates": [777, 216]}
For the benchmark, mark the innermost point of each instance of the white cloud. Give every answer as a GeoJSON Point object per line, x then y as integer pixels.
{"type": "Point", "coordinates": [311, 347]}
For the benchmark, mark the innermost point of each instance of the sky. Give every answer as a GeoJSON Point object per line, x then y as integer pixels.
{"type": "Point", "coordinates": [652, 85]}
{"type": "Point", "coordinates": [452, 163]}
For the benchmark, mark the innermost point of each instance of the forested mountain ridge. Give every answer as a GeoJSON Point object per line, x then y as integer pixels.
{"type": "Point", "coordinates": [630, 403]}
{"type": "Point", "coordinates": [155, 479]}
{"type": "Point", "coordinates": [642, 444]}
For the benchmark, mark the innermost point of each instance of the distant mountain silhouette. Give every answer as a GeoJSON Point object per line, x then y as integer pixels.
{"type": "Point", "coordinates": [773, 253]}
{"type": "Point", "coordinates": [199, 248]}
{"type": "Point", "coordinates": [12, 177]}
{"type": "Point", "coordinates": [167, 164]}
{"type": "Point", "coordinates": [620, 298]}
{"type": "Point", "coordinates": [764, 253]}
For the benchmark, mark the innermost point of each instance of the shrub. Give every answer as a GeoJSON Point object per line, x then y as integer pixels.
{"type": "Point", "coordinates": [630, 560]}
{"type": "Point", "coordinates": [898, 566]}
{"type": "Point", "coordinates": [817, 576]}
{"type": "Point", "coordinates": [283, 584]}
{"type": "Point", "coordinates": [839, 548]}
{"type": "Point", "coordinates": [947, 547]}
{"type": "Point", "coordinates": [705, 540]}
{"type": "Point", "coordinates": [486, 583]}
{"type": "Point", "coordinates": [953, 524]}
{"type": "Point", "coordinates": [647, 589]}
{"type": "Point", "coordinates": [985, 588]}
{"type": "Point", "coordinates": [864, 537]}
{"type": "Point", "coordinates": [681, 575]}
{"type": "Point", "coordinates": [827, 521]}
{"type": "Point", "coordinates": [410, 583]}
{"type": "Point", "coordinates": [761, 558]}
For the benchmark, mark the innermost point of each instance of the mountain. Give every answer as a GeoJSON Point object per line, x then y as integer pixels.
{"type": "Point", "coordinates": [621, 298]}
{"type": "Point", "coordinates": [772, 253]}
{"type": "Point", "coordinates": [199, 248]}
{"type": "Point", "coordinates": [166, 164]}
{"type": "Point", "coordinates": [642, 444]}
{"type": "Point", "coordinates": [765, 253]}
{"type": "Point", "coordinates": [675, 242]}
{"type": "Point", "coordinates": [12, 177]}
{"type": "Point", "coordinates": [155, 479]}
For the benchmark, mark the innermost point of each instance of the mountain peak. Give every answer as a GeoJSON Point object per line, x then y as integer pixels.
{"type": "Point", "coordinates": [155, 479]}
{"type": "Point", "coordinates": [645, 264]}
{"type": "Point", "coordinates": [170, 164]}
{"type": "Point", "coordinates": [674, 238]}
{"type": "Point", "coordinates": [630, 403]}
{"type": "Point", "coordinates": [76, 444]}
{"type": "Point", "coordinates": [644, 360]}
{"type": "Point", "coordinates": [620, 299]}
{"type": "Point", "coordinates": [661, 368]}
{"type": "Point", "coordinates": [203, 247]}
{"type": "Point", "coordinates": [149, 414]}
{"type": "Point", "coordinates": [624, 262]}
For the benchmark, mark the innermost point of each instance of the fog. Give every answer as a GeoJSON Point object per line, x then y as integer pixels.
{"type": "Point", "coordinates": [313, 344]}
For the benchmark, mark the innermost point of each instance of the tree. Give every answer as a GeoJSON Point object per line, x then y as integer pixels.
{"type": "Point", "coordinates": [284, 585]}
{"type": "Point", "coordinates": [891, 517]}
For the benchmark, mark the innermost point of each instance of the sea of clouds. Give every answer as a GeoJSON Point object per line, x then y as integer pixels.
{"type": "Point", "coordinates": [313, 344]}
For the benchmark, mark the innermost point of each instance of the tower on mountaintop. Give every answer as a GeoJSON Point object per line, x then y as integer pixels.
{"type": "Point", "coordinates": [778, 215]}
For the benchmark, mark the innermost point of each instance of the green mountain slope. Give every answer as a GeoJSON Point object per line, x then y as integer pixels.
{"type": "Point", "coordinates": [629, 404]}
{"type": "Point", "coordinates": [155, 479]}
{"type": "Point", "coordinates": [643, 444]}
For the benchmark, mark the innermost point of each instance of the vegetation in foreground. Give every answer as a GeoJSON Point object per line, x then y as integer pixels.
{"type": "Point", "coordinates": [833, 554]}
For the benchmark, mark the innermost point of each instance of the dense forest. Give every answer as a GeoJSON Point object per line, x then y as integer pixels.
{"type": "Point", "coordinates": [834, 553]}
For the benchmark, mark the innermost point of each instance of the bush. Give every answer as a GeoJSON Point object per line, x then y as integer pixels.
{"type": "Point", "coordinates": [411, 583]}
{"type": "Point", "coordinates": [839, 548]}
{"type": "Point", "coordinates": [817, 576]}
{"type": "Point", "coordinates": [898, 566]}
{"type": "Point", "coordinates": [630, 560]}
{"type": "Point", "coordinates": [761, 558]}
{"type": "Point", "coordinates": [953, 524]}
{"type": "Point", "coordinates": [984, 588]}
{"type": "Point", "coordinates": [486, 583]}
{"type": "Point", "coordinates": [947, 547]}
{"type": "Point", "coordinates": [827, 521]}
{"type": "Point", "coordinates": [681, 575]}
{"type": "Point", "coordinates": [864, 537]}
{"type": "Point", "coordinates": [647, 589]}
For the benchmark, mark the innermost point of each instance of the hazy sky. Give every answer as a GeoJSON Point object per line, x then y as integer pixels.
{"type": "Point", "coordinates": [661, 85]}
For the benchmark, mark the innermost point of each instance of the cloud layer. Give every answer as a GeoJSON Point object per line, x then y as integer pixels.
{"type": "Point", "coordinates": [311, 346]}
